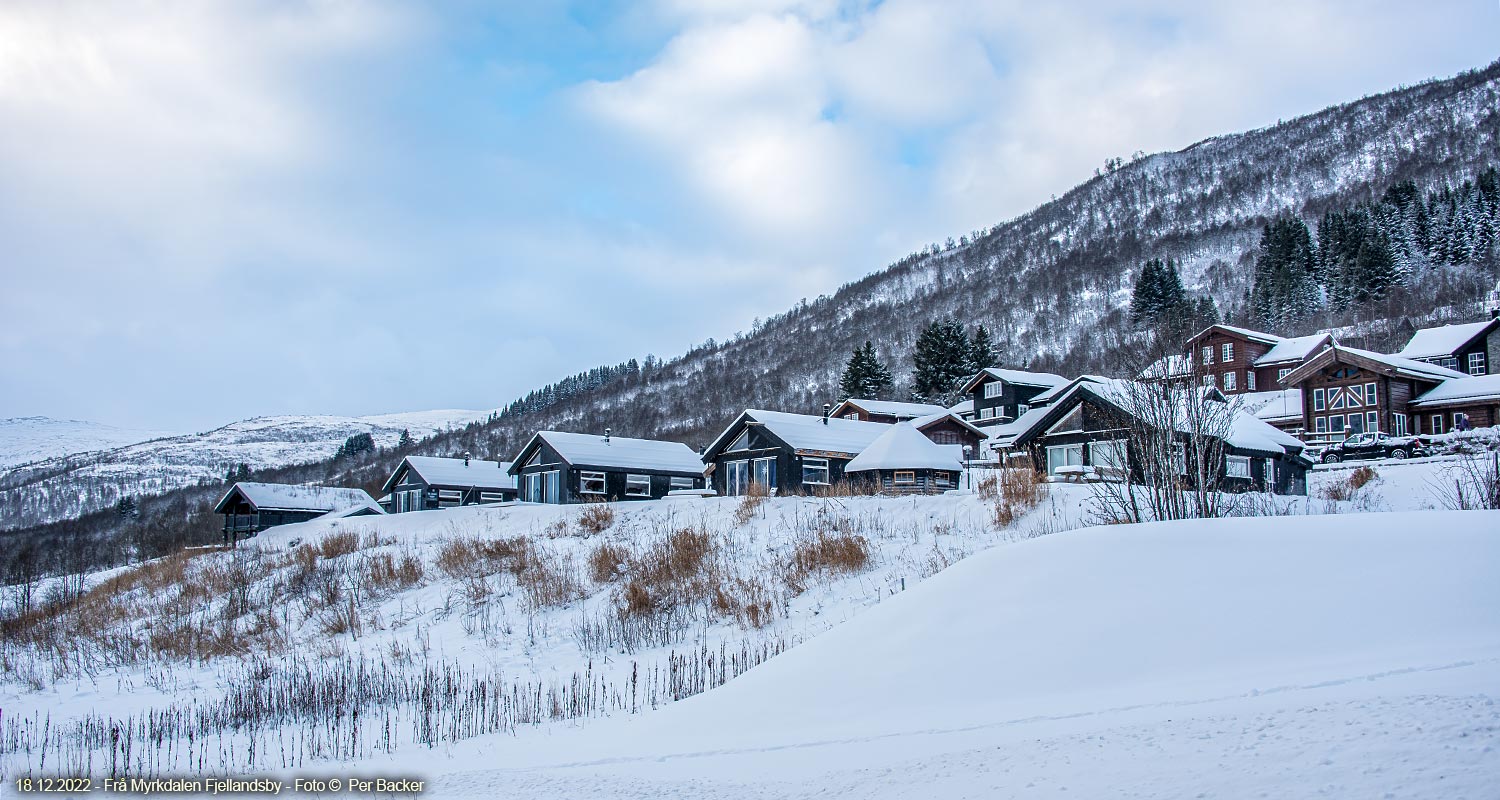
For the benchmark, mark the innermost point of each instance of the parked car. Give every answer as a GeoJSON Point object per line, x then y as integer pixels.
{"type": "Point", "coordinates": [1372, 445]}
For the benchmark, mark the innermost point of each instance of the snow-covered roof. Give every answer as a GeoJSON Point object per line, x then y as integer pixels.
{"type": "Point", "coordinates": [1057, 391]}
{"type": "Point", "coordinates": [1476, 389]}
{"type": "Point", "coordinates": [1169, 366]}
{"type": "Point", "coordinates": [1254, 336]}
{"type": "Point", "coordinates": [437, 471]}
{"type": "Point", "coordinates": [1442, 341]}
{"type": "Point", "coordinates": [923, 422]}
{"type": "Point", "coordinates": [594, 450]}
{"type": "Point", "coordinates": [1275, 406]}
{"type": "Point", "coordinates": [962, 407]}
{"type": "Point", "coordinates": [363, 509]}
{"type": "Point", "coordinates": [1295, 349]}
{"type": "Point", "coordinates": [808, 432]}
{"type": "Point", "coordinates": [292, 497]}
{"type": "Point", "coordinates": [1249, 433]}
{"type": "Point", "coordinates": [895, 408]}
{"type": "Point", "coordinates": [1046, 380]}
{"type": "Point", "coordinates": [902, 446]}
{"type": "Point", "coordinates": [1421, 369]}
{"type": "Point", "coordinates": [1003, 436]}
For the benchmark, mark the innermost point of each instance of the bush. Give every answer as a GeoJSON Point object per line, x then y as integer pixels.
{"type": "Point", "coordinates": [1345, 489]}
{"type": "Point", "coordinates": [1016, 492]}
{"type": "Point", "coordinates": [596, 518]}
{"type": "Point", "coordinates": [338, 543]}
{"type": "Point", "coordinates": [605, 562]}
{"type": "Point", "coordinates": [754, 497]}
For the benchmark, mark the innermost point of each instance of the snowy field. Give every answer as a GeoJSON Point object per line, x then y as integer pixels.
{"type": "Point", "coordinates": [1288, 656]}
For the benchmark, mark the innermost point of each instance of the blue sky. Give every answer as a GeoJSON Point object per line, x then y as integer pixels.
{"type": "Point", "coordinates": [219, 210]}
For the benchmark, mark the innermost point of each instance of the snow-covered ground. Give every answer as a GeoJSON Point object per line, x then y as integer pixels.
{"type": "Point", "coordinates": [1305, 653]}
{"type": "Point", "coordinates": [61, 481]}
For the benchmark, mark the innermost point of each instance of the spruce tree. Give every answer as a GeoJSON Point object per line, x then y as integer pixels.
{"type": "Point", "coordinates": [981, 350]}
{"type": "Point", "coordinates": [404, 442]}
{"type": "Point", "coordinates": [939, 360]}
{"type": "Point", "coordinates": [865, 376]}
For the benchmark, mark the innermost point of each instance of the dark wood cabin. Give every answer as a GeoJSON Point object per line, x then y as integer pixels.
{"type": "Point", "coordinates": [250, 508]}
{"type": "Point", "coordinates": [905, 461]}
{"type": "Point", "coordinates": [561, 467]}
{"type": "Point", "coordinates": [1451, 404]}
{"type": "Point", "coordinates": [999, 395]}
{"type": "Point", "coordinates": [1089, 427]}
{"type": "Point", "coordinates": [786, 453]}
{"type": "Point", "coordinates": [426, 483]}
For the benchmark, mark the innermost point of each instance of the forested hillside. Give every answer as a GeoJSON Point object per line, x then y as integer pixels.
{"type": "Point", "coordinates": [1052, 287]}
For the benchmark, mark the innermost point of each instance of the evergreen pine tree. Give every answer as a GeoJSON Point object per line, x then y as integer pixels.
{"type": "Point", "coordinates": [981, 350]}
{"type": "Point", "coordinates": [404, 443]}
{"type": "Point", "coordinates": [1145, 301]}
{"type": "Point", "coordinates": [939, 360]}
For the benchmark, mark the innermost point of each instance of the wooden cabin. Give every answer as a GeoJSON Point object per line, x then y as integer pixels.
{"type": "Point", "coordinates": [1088, 431]}
{"type": "Point", "coordinates": [1237, 360]}
{"type": "Point", "coordinates": [561, 467]}
{"type": "Point", "coordinates": [1473, 349]}
{"type": "Point", "coordinates": [1347, 391]}
{"type": "Point", "coordinates": [1475, 400]}
{"type": "Point", "coordinates": [250, 508]}
{"type": "Point", "coordinates": [887, 411]}
{"type": "Point", "coordinates": [999, 395]}
{"type": "Point", "coordinates": [425, 483]}
{"type": "Point", "coordinates": [786, 453]}
{"type": "Point", "coordinates": [904, 461]}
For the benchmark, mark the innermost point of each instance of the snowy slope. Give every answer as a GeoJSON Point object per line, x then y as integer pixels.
{"type": "Point", "coordinates": [70, 483]}
{"type": "Point", "coordinates": [27, 439]}
{"type": "Point", "coordinates": [1283, 657]}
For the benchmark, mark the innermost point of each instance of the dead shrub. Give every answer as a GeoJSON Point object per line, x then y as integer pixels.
{"type": "Point", "coordinates": [384, 572]}
{"type": "Point", "coordinates": [1345, 489]}
{"type": "Point", "coordinates": [464, 557]}
{"type": "Point", "coordinates": [754, 497]}
{"type": "Point", "coordinates": [988, 488]}
{"type": "Point", "coordinates": [549, 579]}
{"type": "Point", "coordinates": [338, 543]}
{"type": "Point", "coordinates": [596, 518]}
{"type": "Point", "coordinates": [606, 561]}
{"type": "Point", "coordinates": [832, 552]}
{"type": "Point", "coordinates": [674, 571]}
{"type": "Point", "coordinates": [1016, 492]}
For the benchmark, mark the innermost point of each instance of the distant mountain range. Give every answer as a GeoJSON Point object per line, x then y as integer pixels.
{"type": "Point", "coordinates": [57, 469]}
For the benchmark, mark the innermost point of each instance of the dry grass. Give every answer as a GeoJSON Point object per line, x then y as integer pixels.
{"type": "Point", "coordinates": [596, 518]}
{"type": "Point", "coordinates": [826, 552]}
{"type": "Point", "coordinates": [469, 557]}
{"type": "Point", "coordinates": [606, 562]}
{"type": "Point", "coordinates": [1345, 489]}
{"type": "Point", "coordinates": [338, 543]}
{"type": "Point", "coordinates": [1016, 492]}
{"type": "Point", "coordinates": [549, 579]}
{"type": "Point", "coordinates": [383, 572]}
{"type": "Point", "coordinates": [750, 503]}
{"type": "Point", "coordinates": [988, 488]}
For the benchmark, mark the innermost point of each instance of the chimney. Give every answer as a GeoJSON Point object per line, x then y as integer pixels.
{"type": "Point", "coordinates": [827, 408]}
{"type": "Point", "coordinates": [466, 458]}
{"type": "Point", "coordinates": [606, 435]}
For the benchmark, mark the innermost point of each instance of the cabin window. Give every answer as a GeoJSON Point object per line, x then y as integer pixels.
{"type": "Point", "coordinates": [1398, 424]}
{"type": "Point", "coordinates": [1282, 373]}
{"type": "Point", "coordinates": [1250, 379]}
{"type": "Point", "coordinates": [491, 497]}
{"type": "Point", "coordinates": [1356, 423]}
{"type": "Point", "coordinates": [1450, 362]}
{"type": "Point", "coordinates": [448, 498]}
{"type": "Point", "coordinates": [1228, 352]}
{"type": "Point", "coordinates": [1370, 394]}
{"type": "Point", "coordinates": [409, 500]}
{"type": "Point", "coordinates": [1476, 363]}
{"type": "Point", "coordinates": [815, 471]}
{"type": "Point", "coordinates": [852, 415]}
{"type": "Point", "coordinates": [994, 389]}
{"type": "Point", "coordinates": [1208, 355]}
{"type": "Point", "coordinates": [682, 483]}
{"type": "Point", "coordinates": [942, 478]}
{"type": "Point", "coordinates": [1231, 381]}
{"type": "Point", "coordinates": [764, 470]}
{"type": "Point", "coordinates": [1335, 399]}
{"type": "Point", "coordinates": [1067, 455]}
{"type": "Point", "coordinates": [1320, 425]}
{"type": "Point", "coordinates": [1336, 424]}
{"type": "Point", "coordinates": [1437, 423]}
{"type": "Point", "coordinates": [1318, 400]}
{"type": "Point", "coordinates": [1372, 421]}
{"type": "Point", "coordinates": [736, 477]}
{"type": "Point", "coordinates": [944, 437]}
{"type": "Point", "coordinates": [1022, 408]}
{"type": "Point", "coordinates": [741, 442]}
{"type": "Point", "coordinates": [591, 483]}
{"type": "Point", "coordinates": [637, 485]}
{"type": "Point", "coordinates": [1108, 455]}
{"type": "Point", "coordinates": [1179, 458]}
{"type": "Point", "coordinates": [986, 413]}
{"type": "Point", "coordinates": [1237, 467]}
{"type": "Point", "coordinates": [1208, 380]}
{"type": "Point", "coordinates": [905, 476]}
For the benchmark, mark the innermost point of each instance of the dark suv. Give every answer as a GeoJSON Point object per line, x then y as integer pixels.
{"type": "Point", "coordinates": [1373, 445]}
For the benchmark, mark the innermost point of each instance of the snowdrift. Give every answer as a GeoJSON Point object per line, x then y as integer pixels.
{"type": "Point", "coordinates": [1109, 625]}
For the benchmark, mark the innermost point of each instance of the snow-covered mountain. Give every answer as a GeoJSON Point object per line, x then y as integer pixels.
{"type": "Point", "coordinates": [68, 481]}
{"type": "Point", "coordinates": [27, 439]}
